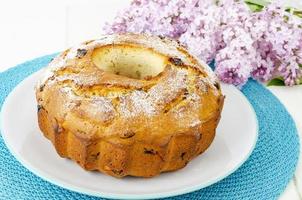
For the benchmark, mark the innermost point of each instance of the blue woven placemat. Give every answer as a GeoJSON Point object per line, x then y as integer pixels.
{"type": "Point", "coordinates": [263, 176]}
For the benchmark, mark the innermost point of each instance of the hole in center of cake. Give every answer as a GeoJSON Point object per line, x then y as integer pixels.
{"type": "Point", "coordinates": [130, 61]}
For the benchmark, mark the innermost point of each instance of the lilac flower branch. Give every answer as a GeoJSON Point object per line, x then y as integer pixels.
{"type": "Point", "coordinates": [251, 38]}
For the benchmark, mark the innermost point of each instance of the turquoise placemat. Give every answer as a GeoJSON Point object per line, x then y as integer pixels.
{"type": "Point", "coordinates": [263, 176]}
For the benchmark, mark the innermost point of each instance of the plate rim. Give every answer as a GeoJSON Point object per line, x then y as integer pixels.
{"type": "Point", "coordinates": [44, 176]}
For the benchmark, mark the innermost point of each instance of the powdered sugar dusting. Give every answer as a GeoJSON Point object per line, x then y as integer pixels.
{"type": "Point", "coordinates": [98, 108]}
{"type": "Point", "coordinates": [152, 102]}
{"type": "Point", "coordinates": [167, 90]}
{"type": "Point", "coordinates": [184, 117]}
{"type": "Point", "coordinates": [79, 79]}
{"type": "Point", "coordinates": [71, 101]}
{"type": "Point", "coordinates": [49, 71]}
{"type": "Point", "coordinates": [136, 103]}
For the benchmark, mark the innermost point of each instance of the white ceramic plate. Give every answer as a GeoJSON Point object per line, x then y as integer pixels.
{"type": "Point", "coordinates": [234, 142]}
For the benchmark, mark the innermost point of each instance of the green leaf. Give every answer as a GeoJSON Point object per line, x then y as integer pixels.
{"type": "Point", "coordinates": [300, 65]}
{"type": "Point", "coordinates": [255, 8]}
{"type": "Point", "coordinates": [288, 9]}
{"type": "Point", "coordinates": [258, 2]}
{"type": "Point", "coordinates": [298, 13]}
{"type": "Point", "coordinates": [294, 11]}
{"type": "Point", "coordinates": [258, 5]}
{"type": "Point", "coordinates": [276, 82]}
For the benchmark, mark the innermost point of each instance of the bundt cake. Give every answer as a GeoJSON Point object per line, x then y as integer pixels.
{"type": "Point", "coordinates": [129, 104]}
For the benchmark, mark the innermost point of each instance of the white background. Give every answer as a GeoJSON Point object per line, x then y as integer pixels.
{"type": "Point", "coordinates": [33, 28]}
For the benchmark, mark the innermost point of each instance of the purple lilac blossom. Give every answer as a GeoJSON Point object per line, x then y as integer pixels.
{"type": "Point", "coordinates": [262, 45]}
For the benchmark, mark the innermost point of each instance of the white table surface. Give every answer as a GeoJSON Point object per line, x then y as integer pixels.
{"type": "Point", "coordinates": [33, 28]}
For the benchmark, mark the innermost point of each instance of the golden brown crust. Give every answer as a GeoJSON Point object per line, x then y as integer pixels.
{"type": "Point", "coordinates": [123, 126]}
